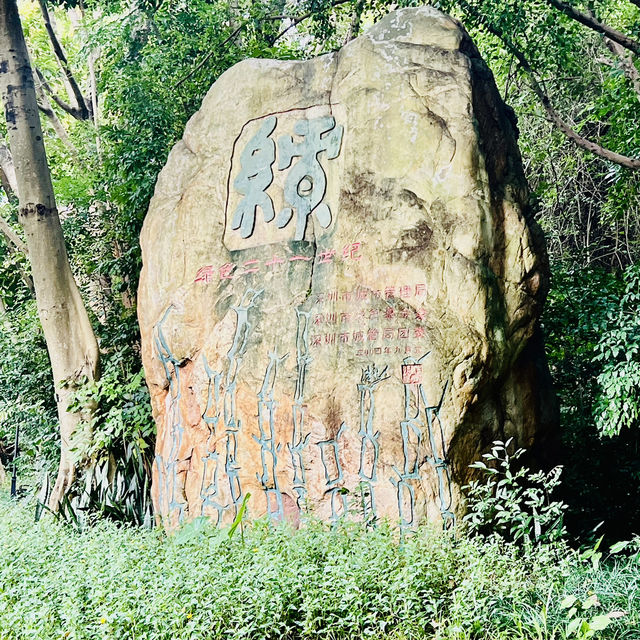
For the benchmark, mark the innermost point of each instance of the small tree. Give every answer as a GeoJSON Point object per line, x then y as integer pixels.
{"type": "Point", "coordinates": [70, 339]}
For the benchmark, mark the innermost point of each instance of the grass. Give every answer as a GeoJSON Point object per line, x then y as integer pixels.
{"type": "Point", "coordinates": [110, 581]}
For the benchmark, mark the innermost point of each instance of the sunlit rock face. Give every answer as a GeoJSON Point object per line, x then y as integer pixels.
{"type": "Point", "coordinates": [341, 285]}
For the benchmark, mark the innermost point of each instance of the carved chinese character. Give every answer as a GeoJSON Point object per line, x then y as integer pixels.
{"type": "Point", "coordinates": [275, 260]}
{"type": "Point", "coordinates": [326, 256]}
{"type": "Point", "coordinates": [204, 274]}
{"type": "Point", "coordinates": [226, 271]}
{"type": "Point", "coordinates": [255, 177]}
{"type": "Point", "coordinates": [350, 251]}
{"type": "Point", "coordinates": [306, 183]}
{"type": "Point", "coordinates": [250, 267]}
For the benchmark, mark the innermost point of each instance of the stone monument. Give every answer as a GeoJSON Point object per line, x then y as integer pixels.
{"type": "Point", "coordinates": [341, 285]}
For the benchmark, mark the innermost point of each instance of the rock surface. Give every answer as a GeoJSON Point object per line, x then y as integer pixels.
{"type": "Point", "coordinates": [341, 285]}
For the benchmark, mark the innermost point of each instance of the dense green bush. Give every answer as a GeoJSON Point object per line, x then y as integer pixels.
{"type": "Point", "coordinates": [26, 392]}
{"type": "Point", "coordinates": [112, 581]}
{"type": "Point", "coordinates": [618, 402]}
{"type": "Point", "coordinates": [601, 476]}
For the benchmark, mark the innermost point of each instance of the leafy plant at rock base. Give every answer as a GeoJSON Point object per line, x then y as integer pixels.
{"type": "Point", "coordinates": [118, 456]}
{"type": "Point", "coordinates": [513, 501]}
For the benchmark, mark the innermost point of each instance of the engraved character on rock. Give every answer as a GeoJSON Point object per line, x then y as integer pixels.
{"type": "Point", "coordinates": [255, 177]}
{"type": "Point", "coordinates": [306, 183]}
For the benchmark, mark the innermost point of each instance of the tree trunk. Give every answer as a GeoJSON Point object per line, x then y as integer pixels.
{"type": "Point", "coordinates": [71, 343]}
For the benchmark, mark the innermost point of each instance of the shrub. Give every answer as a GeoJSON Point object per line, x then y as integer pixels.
{"type": "Point", "coordinates": [513, 501]}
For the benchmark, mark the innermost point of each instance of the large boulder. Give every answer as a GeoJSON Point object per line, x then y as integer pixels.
{"type": "Point", "coordinates": [341, 285]}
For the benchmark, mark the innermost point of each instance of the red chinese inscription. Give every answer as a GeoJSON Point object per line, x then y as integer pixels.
{"type": "Point", "coordinates": [412, 373]}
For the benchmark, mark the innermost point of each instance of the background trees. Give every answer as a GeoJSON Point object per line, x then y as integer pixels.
{"type": "Point", "coordinates": [71, 343]}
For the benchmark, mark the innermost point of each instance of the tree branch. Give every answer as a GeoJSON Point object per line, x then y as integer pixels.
{"type": "Point", "coordinates": [45, 107]}
{"type": "Point", "coordinates": [577, 139]}
{"type": "Point", "coordinates": [552, 115]}
{"type": "Point", "coordinates": [81, 112]}
{"type": "Point", "coordinates": [92, 98]}
{"type": "Point", "coordinates": [626, 63]}
{"type": "Point", "coordinates": [65, 106]}
{"type": "Point", "coordinates": [354, 26]}
{"type": "Point", "coordinates": [15, 245]}
{"type": "Point", "coordinates": [4, 182]}
{"type": "Point", "coordinates": [204, 60]}
{"type": "Point", "coordinates": [10, 186]}
{"type": "Point", "coordinates": [593, 23]}
{"type": "Point", "coordinates": [8, 232]}
{"type": "Point", "coordinates": [295, 21]}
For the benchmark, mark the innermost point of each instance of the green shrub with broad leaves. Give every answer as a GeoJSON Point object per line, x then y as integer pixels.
{"type": "Point", "coordinates": [512, 501]}
{"type": "Point", "coordinates": [115, 451]}
{"type": "Point", "coordinates": [585, 316]}
{"type": "Point", "coordinates": [618, 400]}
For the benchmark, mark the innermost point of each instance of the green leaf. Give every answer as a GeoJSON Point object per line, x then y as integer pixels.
{"type": "Point", "coordinates": [598, 623]}
{"type": "Point", "coordinates": [619, 546]}
{"type": "Point", "coordinates": [240, 516]}
{"type": "Point", "coordinates": [572, 627]}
